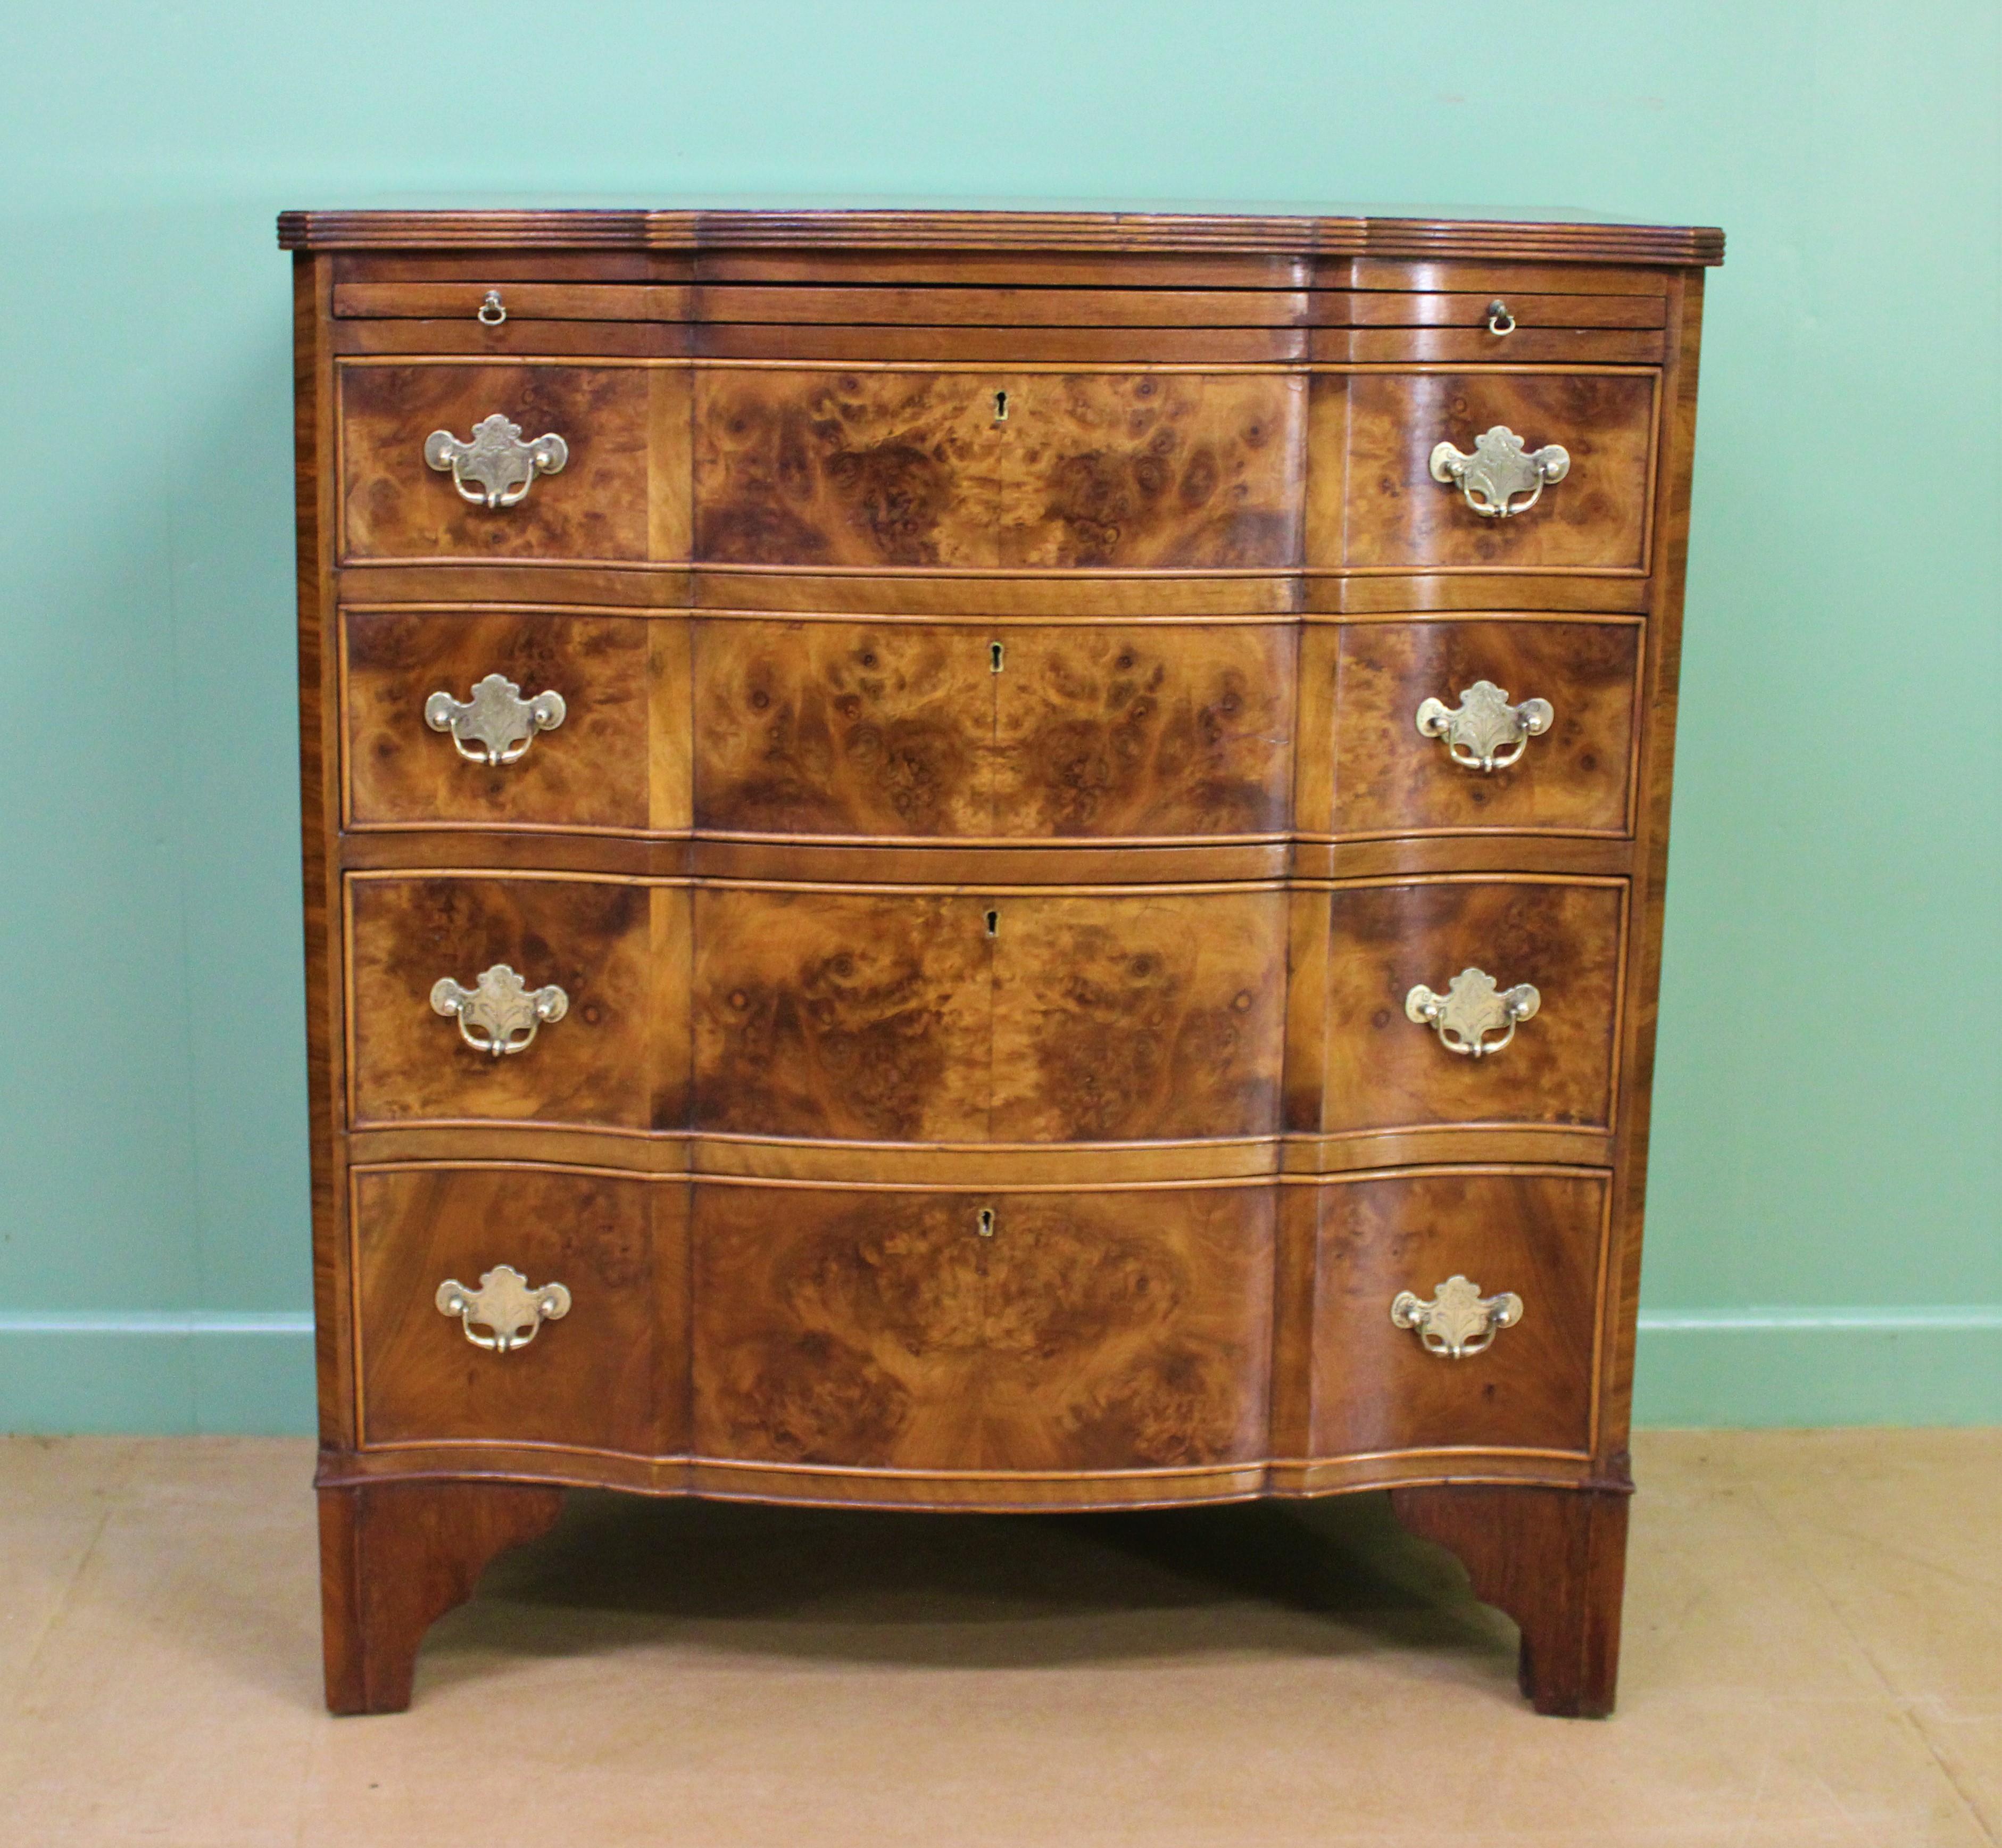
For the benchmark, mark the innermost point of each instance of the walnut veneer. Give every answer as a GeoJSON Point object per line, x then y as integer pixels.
{"type": "Point", "coordinates": [993, 867]}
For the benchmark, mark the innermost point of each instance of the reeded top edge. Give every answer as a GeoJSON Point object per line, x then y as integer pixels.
{"type": "Point", "coordinates": [1111, 232]}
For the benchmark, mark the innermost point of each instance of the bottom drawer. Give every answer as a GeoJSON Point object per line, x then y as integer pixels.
{"type": "Point", "coordinates": [608, 1373]}
{"type": "Point", "coordinates": [972, 1333]}
{"type": "Point", "coordinates": [1091, 1332]}
{"type": "Point", "coordinates": [1524, 1375]}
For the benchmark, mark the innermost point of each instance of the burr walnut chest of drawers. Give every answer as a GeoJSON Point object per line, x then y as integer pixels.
{"type": "Point", "coordinates": [984, 861]}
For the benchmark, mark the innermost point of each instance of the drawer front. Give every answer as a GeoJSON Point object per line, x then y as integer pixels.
{"type": "Point", "coordinates": [1385, 510]}
{"type": "Point", "coordinates": [1488, 758]}
{"type": "Point", "coordinates": [609, 1373]}
{"type": "Point", "coordinates": [615, 1053]}
{"type": "Point", "coordinates": [1563, 939]}
{"type": "Point", "coordinates": [1139, 1016]}
{"type": "Point", "coordinates": [928, 1017]}
{"type": "Point", "coordinates": [942, 470]}
{"type": "Point", "coordinates": [930, 730]}
{"type": "Point", "coordinates": [620, 495]}
{"type": "Point", "coordinates": [1084, 1331]}
{"type": "Point", "coordinates": [430, 738]}
{"type": "Point", "coordinates": [1524, 1383]}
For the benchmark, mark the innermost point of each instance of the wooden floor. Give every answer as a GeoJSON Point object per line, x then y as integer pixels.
{"type": "Point", "coordinates": [1814, 1657]}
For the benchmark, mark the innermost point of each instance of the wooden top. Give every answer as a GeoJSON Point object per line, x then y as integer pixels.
{"type": "Point", "coordinates": [1254, 234]}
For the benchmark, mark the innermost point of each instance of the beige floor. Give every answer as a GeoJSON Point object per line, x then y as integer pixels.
{"type": "Point", "coordinates": [1814, 1656]}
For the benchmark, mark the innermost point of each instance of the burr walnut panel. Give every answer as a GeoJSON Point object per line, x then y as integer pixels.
{"type": "Point", "coordinates": [618, 949]}
{"type": "Point", "coordinates": [1378, 507]}
{"type": "Point", "coordinates": [1564, 938]}
{"type": "Point", "coordinates": [1539, 1234]}
{"type": "Point", "coordinates": [843, 728]}
{"type": "Point", "coordinates": [1128, 1330]}
{"type": "Point", "coordinates": [938, 731]}
{"type": "Point", "coordinates": [622, 494]}
{"type": "Point", "coordinates": [841, 1014]}
{"type": "Point", "coordinates": [593, 771]}
{"type": "Point", "coordinates": [837, 1328]}
{"type": "Point", "coordinates": [1370, 771]}
{"type": "Point", "coordinates": [1105, 732]}
{"type": "Point", "coordinates": [1154, 470]}
{"type": "Point", "coordinates": [918, 1016]}
{"type": "Point", "coordinates": [611, 1374]}
{"type": "Point", "coordinates": [1090, 1331]}
{"type": "Point", "coordinates": [834, 468]}
{"type": "Point", "coordinates": [1138, 1016]}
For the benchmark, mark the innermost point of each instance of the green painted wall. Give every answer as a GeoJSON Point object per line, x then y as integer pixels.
{"type": "Point", "coordinates": [1822, 1235]}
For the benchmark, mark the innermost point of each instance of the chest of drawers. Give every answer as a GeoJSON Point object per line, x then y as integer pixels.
{"type": "Point", "coordinates": [982, 860]}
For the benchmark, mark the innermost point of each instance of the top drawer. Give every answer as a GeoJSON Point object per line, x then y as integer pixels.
{"type": "Point", "coordinates": [515, 459]}
{"type": "Point", "coordinates": [1390, 469]}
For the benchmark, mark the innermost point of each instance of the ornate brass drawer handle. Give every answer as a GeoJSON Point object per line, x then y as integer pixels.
{"type": "Point", "coordinates": [511, 1313]}
{"type": "Point", "coordinates": [497, 725]}
{"type": "Point", "coordinates": [496, 468]}
{"type": "Point", "coordinates": [1486, 733]}
{"type": "Point", "coordinates": [1498, 470]}
{"type": "Point", "coordinates": [1473, 1007]}
{"type": "Point", "coordinates": [1459, 1322]}
{"type": "Point", "coordinates": [498, 1015]}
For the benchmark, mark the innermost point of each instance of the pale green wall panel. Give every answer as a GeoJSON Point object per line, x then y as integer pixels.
{"type": "Point", "coordinates": [1829, 1116]}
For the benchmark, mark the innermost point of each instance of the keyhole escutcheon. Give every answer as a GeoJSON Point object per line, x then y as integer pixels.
{"type": "Point", "coordinates": [1000, 408]}
{"type": "Point", "coordinates": [994, 657]}
{"type": "Point", "coordinates": [994, 923]}
{"type": "Point", "coordinates": [984, 1222]}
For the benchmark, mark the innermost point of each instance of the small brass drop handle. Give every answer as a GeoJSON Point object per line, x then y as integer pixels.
{"type": "Point", "coordinates": [1499, 319]}
{"type": "Point", "coordinates": [494, 468]}
{"type": "Point", "coordinates": [493, 310]}
{"type": "Point", "coordinates": [1459, 1322]}
{"type": "Point", "coordinates": [1500, 479]}
{"type": "Point", "coordinates": [1485, 732]}
{"type": "Point", "coordinates": [499, 1014]}
{"type": "Point", "coordinates": [511, 1313]}
{"type": "Point", "coordinates": [1473, 1006]}
{"type": "Point", "coordinates": [497, 725]}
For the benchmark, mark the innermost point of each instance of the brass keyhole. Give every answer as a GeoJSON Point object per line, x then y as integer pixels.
{"type": "Point", "coordinates": [984, 1222]}
{"type": "Point", "coordinates": [994, 923]}
{"type": "Point", "coordinates": [994, 657]}
{"type": "Point", "coordinates": [1000, 408]}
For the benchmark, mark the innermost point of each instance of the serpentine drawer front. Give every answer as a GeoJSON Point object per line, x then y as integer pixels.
{"type": "Point", "coordinates": [984, 861]}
